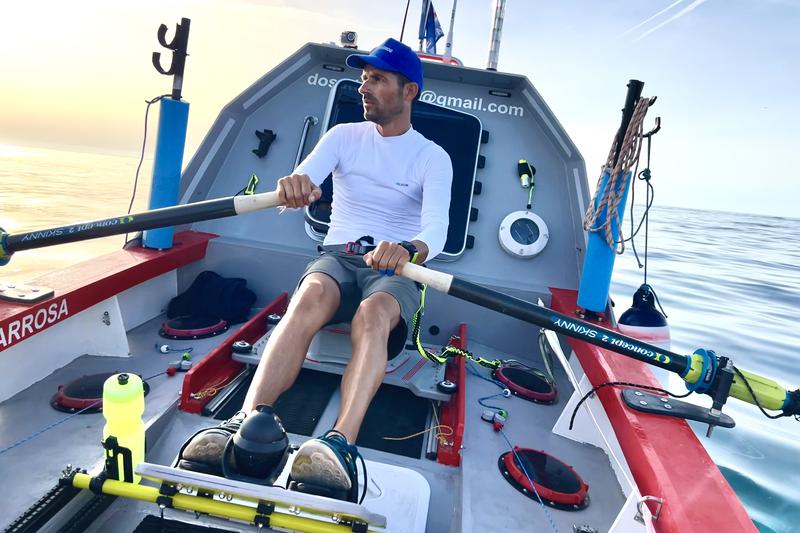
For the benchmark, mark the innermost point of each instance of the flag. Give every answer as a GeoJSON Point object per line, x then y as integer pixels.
{"type": "Point", "coordinates": [430, 30]}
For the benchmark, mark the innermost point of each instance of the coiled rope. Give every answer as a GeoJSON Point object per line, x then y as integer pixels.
{"type": "Point", "coordinates": [618, 172]}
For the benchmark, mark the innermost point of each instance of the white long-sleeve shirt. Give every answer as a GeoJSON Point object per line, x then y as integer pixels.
{"type": "Point", "coordinates": [392, 188]}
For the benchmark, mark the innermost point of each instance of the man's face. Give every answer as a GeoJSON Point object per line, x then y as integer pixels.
{"type": "Point", "coordinates": [382, 95]}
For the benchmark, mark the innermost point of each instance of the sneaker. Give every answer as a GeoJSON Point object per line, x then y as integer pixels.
{"type": "Point", "coordinates": [203, 451]}
{"type": "Point", "coordinates": [330, 462]}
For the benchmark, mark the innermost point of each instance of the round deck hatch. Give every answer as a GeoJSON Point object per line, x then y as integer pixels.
{"type": "Point", "coordinates": [192, 327]}
{"type": "Point", "coordinates": [86, 391]}
{"type": "Point", "coordinates": [527, 383]}
{"type": "Point", "coordinates": [556, 482]}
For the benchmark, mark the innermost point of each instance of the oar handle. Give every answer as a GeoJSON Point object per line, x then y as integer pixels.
{"type": "Point", "coordinates": [254, 202]}
{"type": "Point", "coordinates": [432, 278]}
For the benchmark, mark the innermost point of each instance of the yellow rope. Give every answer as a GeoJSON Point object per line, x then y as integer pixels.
{"type": "Point", "coordinates": [440, 436]}
{"type": "Point", "coordinates": [208, 391]}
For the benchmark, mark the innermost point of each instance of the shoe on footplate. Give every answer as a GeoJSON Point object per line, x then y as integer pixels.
{"type": "Point", "coordinates": [326, 466]}
{"type": "Point", "coordinates": [251, 448]}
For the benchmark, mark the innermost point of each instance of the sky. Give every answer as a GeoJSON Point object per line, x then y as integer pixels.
{"type": "Point", "coordinates": [74, 75]}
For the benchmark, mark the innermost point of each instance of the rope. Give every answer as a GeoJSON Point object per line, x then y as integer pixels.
{"type": "Point", "coordinates": [141, 156]}
{"type": "Point", "coordinates": [505, 393]}
{"type": "Point", "coordinates": [51, 426]}
{"type": "Point", "coordinates": [755, 398]}
{"type": "Point", "coordinates": [501, 394]}
{"type": "Point", "coordinates": [447, 352]}
{"type": "Point", "coordinates": [613, 191]}
{"type": "Point", "coordinates": [645, 176]}
{"type": "Point", "coordinates": [210, 390]}
{"type": "Point", "coordinates": [530, 480]}
{"type": "Point", "coordinates": [622, 383]}
{"type": "Point", "coordinates": [73, 415]}
{"type": "Point", "coordinates": [441, 436]}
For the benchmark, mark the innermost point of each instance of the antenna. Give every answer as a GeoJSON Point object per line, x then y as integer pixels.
{"type": "Point", "coordinates": [448, 47]}
{"type": "Point", "coordinates": [497, 30]}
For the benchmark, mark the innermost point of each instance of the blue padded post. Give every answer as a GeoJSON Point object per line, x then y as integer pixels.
{"type": "Point", "coordinates": [598, 263]}
{"type": "Point", "coordinates": [172, 121]}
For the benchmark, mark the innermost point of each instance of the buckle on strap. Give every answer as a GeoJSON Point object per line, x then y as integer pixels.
{"type": "Point", "coordinates": [355, 248]}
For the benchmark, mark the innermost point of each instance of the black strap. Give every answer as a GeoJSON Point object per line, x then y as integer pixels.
{"type": "Point", "coordinates": [360, 246]}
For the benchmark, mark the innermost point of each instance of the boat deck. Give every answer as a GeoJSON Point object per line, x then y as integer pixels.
{"type": "Point", "coordinates": [486, 501]}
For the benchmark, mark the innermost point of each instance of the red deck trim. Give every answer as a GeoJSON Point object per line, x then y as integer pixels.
{"type": "Point", "coordinates": [454, 411]}
{"type": "Point", "coordinates": [218, 367]}
{"type": "Point", "coordinates": [416, 368]}
{"type": "Point", "coordinates": [666, 458]}
{"type": "Point", "coordinates": [81, 286]}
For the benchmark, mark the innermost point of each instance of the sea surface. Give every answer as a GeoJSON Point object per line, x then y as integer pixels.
{"type": "Point", "coordinates": [728, 282]}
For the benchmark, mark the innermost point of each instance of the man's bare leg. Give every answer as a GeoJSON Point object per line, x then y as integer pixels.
{"type": "Point", "coordinates": [312, 306]}
{"type": "Point", "coordinates": [376, 317]}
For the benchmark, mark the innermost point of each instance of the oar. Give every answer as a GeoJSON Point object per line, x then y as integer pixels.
{"type": "Point", "coordinates": [703, 371]}
{"type": "Point", "coordinates": [157, 218]}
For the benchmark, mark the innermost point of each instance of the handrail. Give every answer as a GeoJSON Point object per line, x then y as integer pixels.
{"type": "Point", "coordinates": [310, 120]}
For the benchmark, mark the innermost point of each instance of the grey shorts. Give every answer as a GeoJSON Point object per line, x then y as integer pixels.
{"type": "Point", "coordinates": [357, 281]}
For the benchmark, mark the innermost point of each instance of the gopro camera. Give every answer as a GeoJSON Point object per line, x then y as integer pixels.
{"type": "Point", "coordinates": [349, 39]}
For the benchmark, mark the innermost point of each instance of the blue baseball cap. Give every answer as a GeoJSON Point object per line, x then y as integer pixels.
{"type": "Point", "coordinates": [391, 55]}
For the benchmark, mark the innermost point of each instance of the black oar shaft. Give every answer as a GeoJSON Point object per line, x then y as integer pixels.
{"type": "Point", "coordinates": [566, 325]}
{"type": "Point", "coordinates": [547, 318]}
{"type": "Point", "coordinates": [167, 216]}
{"type": "Point", "coordinates": [157, 218]}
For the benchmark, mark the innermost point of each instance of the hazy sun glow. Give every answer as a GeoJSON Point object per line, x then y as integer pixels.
{"type": "Point", "coordinates": [9, 150]}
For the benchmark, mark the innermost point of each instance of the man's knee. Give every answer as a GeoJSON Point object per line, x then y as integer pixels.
{"type": "Point", "coordinates": [380, 312]}
{"type": "Point", "coordinates": [318, 294]}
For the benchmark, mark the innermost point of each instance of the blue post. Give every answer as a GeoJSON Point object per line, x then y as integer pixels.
{"type": "Point", "coordinates": [598, 263]}
{"type": "Point", "coordinates": [172, 121]}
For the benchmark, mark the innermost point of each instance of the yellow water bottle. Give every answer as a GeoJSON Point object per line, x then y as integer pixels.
{"type": "Point", "coordinates": [123, 434]}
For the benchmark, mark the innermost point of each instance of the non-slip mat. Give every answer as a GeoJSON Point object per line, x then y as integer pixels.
{"type": "Point", "coordinates": [300, 407]}
{"type": "Point", "coordinates": [395, 412]}
{"type": "Point", "coordinates": [154, 524]}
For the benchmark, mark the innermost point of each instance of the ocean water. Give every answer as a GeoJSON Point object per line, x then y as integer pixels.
{"type": "Point", "coordinates": [728, 282]}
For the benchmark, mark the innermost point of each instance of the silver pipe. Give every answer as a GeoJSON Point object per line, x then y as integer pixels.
{"type": "Point", "coordinates": [497, 30]}
{"type": "Point", "coordinates": [448, 47]}
{"type": "Point", "coordinates": [307, 123]}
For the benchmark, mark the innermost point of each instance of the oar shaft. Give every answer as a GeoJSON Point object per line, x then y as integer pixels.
{"type": "Point", "coordinates": [157, 218]}
{"type": "Point", "coordinates": [770, 394]}
{"type": "Point", "coordinates": [547, 318]}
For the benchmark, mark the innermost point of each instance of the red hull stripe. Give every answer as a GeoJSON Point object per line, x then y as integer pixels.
{"type": "Point", "coordinates": [666, 458]}
{"type": "Point", "coordinates": [83, 285]}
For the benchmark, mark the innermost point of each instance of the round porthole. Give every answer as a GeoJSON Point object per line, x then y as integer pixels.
{"type": "Point", "coordinates": [523, 234]}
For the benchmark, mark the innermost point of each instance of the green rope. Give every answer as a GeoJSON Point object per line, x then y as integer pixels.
{"type": "Point", "coordinates": [447, 352]}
